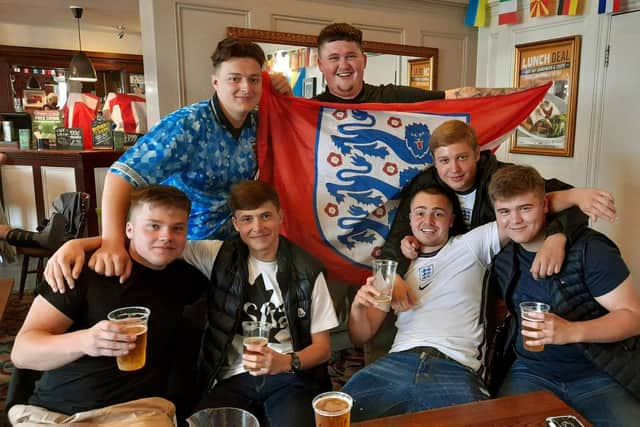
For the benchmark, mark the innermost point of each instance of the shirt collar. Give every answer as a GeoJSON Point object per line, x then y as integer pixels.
{"type": "Point", "coordinates": [216, 109]}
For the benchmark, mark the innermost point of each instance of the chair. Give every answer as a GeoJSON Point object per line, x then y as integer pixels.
{"type": "Point", "coordinates": [74, 207]}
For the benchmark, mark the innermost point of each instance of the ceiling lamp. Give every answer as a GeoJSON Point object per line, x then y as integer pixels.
{"type": "Point", "coordinates": [81, 69]}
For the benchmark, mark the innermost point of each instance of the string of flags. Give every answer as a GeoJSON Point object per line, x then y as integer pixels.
{"type": "Point", "coordinates": [43, 71]}
{"type": "Point", "coordinates": [508, 10]}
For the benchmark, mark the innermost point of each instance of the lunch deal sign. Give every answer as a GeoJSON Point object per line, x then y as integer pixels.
{"type": "Point", "coordinates": [550, 128]}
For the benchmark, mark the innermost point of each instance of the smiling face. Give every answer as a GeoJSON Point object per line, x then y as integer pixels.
{"type": "Point", "coordinates": [238, 85]}
{"type": "Point", "coordinates": [457, 165]}
{"type": "Point", "coordinates": [430, 218]}
{"type": "Point", "coordinates": [342, 63]}
{"type": "Point", "coordinates": [523, 218]}
{"type": "Point", "coordinates": [157, 234]}
{"type": "Point", "coordinates": [259, 229]}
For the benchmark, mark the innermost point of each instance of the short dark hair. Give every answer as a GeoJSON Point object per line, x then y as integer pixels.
{"type": "Point", "coordinates": [232, 47]}
{"type": "Point", "coordinates": [452, 132]}
{"type": "Point", "coordinates": [459, 226]}
{"type": "Point", "coordinates": [515, 180]}
{"type": "Point", "coordinates": [248, 195]}
{"type": "Point", "coordinates": [340, 31]}
{"type": "Point", "coordinates": [160, 195]}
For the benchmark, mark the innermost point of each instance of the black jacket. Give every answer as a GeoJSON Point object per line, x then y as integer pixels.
{"type": "Point", "coordinates": [297, 273]}
{"type": "Point", "coordinates": [570, 221]}
{"type": "Point", "coordinates": [571, 300]}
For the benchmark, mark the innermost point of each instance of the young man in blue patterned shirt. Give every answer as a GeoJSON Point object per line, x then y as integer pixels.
{"type": "Point", "coordinates": [202, 149]}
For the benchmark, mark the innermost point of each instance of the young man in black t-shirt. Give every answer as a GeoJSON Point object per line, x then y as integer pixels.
{"type": "Point", "coordinates": [67, 335]}
{"type": "Point", "coordinates": [342, 63]}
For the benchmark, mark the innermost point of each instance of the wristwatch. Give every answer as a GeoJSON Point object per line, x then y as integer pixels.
{"type": "Point", "coordinates": [295, 363]}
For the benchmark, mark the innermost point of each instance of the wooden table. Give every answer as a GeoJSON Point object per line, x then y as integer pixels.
{"type": "Point", "coordinates": [523, 410]}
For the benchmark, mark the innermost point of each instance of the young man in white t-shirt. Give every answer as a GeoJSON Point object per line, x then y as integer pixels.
{"type": "Point", "coordinates": [258, 276]}
{"type": "Point", "coordinates": [262, 276]}
{"type": "Point", "coordinates": [438, 348]}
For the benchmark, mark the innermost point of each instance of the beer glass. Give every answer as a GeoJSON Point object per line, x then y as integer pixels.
{"type": "Point", "coordinates": [255, 333]}
{"type": "Point", "coordinates": [332, 409]}
{"type": "Point", "coordinates": [135, 321]}
{"type": "Point", "coordinates": [526, 308]}
{"type": "Point", "coordinates": [384, 272]}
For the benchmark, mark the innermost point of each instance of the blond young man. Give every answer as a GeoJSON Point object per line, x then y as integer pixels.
{"type": "Point", "coordinates": [591, 335]}
{"type": "Point", "coordinates": [68, 337]}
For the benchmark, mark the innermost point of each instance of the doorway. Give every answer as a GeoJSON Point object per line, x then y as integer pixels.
{"type": "Point", "coordinates": [618, 161]}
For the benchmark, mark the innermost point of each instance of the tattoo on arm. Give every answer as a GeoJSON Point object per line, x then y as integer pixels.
{"type": "Point", "coordinates": [476, 92]}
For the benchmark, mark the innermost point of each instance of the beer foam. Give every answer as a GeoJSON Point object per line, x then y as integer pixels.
{"type": "Point", "coordinates": [332, 405]}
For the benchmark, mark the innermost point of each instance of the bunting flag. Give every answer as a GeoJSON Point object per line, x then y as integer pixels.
{"type": "Point", "coordinates": [568, 7]}
{"type": "Point", "coordinates": [339, 168]}
{"type": "Point", "coordinates": [539, 8]}
{"type": "Point", "coordinates": [608, 6]}
{"type": "Point", "coordinates": [476, 13]}
{"type": "Point", "coordinates": [508, 12]}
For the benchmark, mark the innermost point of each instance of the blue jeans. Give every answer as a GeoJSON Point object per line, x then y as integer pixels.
{"type": "Point", "coordinates": [599, 398]}
{"type": "Point", "coordinates": [276, 400]}
{"type": "Point", "coordinates": [411, 381]}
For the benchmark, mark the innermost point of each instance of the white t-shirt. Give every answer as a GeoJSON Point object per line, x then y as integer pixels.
{"type": "Point", "coordinates": [449, 289]}
{"type": "Point", "coordinates": [264, 303]}
{"type": "Point", "coordinates": [467, 201]}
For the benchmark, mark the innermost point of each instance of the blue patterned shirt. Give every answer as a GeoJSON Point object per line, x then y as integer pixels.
{"type": "Point", "coordinates": [190, 150]}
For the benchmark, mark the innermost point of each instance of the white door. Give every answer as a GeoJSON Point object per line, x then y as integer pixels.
{"type": "Point", "coordinates": [618, 164]}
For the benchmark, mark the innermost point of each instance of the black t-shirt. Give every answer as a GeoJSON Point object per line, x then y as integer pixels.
{"type": "Point", "coordinates": [385, 93]}
{"type": "Point", "coordinates": [94, 382]}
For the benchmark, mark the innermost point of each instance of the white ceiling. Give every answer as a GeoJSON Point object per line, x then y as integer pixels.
{"type": "Point", "coordinates": [99, 15]}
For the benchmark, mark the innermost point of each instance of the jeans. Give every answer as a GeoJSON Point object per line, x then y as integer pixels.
{"type": "Point", "coordinates": [276, 400]}
{"type": "Point", "coordinates": [599, 398]}
{"type": "Point", "coordinates": [411, 381]}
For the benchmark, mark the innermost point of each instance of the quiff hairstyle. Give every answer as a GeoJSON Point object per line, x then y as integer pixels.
{"type": "Point", "coordinates": [159, 195]}
{"type": "Point", "coordinates": [232, 47]}
{"type": "Point", "coordinates": [340, 31]}
{"type": "Point", "coordinates": [515, 180]}
{"type": "Point", "coordinates": [249, 195]}
{"type": "Point", "coordinates": [452, 132]}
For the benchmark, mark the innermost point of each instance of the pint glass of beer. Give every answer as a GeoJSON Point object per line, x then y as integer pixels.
{"type": "Point", "coordinates": [526, 309]}
{"type": "Point", "coordinates": [384, 272]}
{"type": "Point", "coordinates": [135, 320]}
{"type": "Point", "coordinates": [332, 409]}
{"type": "Point", "coordinates": [255, 333]}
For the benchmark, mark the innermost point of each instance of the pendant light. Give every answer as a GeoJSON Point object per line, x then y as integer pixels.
{"type": "Point", "coordinates": [81, 69]}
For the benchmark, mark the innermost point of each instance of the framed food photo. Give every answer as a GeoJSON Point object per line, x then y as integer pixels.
{"type": "Point", "coordinates": [550, 128]}
{"type": "Point", "coordinates": [33, 98]}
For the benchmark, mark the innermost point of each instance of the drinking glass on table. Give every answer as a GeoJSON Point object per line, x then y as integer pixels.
{"type": "Point", "coordinates": [332, 409]}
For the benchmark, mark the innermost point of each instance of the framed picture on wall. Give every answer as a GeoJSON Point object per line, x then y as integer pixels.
{"type": "Point", "coordinates": [33, 98]}
{"type": "Point", "coordinates": [550, 128]}
{"type": "Point", "coordinates": [420, 75]}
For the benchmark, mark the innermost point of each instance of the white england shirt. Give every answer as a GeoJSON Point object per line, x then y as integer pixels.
{"type": "Point", "coordinates": [449, 288]}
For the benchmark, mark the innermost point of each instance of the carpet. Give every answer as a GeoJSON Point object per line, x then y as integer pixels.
{"type": "Point", "coordinates": [13, 317]}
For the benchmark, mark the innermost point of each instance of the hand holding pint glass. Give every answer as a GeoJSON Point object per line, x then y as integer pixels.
{"type": "Point", "coordinates": [384, 273]}
{"type": "Point", "coordinates": [531, 311]}
{"type": "Point", "coordinates": [332, 409]}
{"type": "Point", "coordinates": [135, 321]}
{"type": "Point", "coordinates": [256, 336]}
